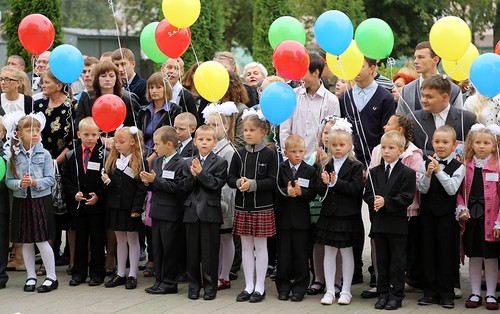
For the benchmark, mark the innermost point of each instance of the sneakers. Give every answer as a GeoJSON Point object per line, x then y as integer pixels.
{"type": "Point", "coordinates": [328, 298]}
{"type": "Point", "coordinates": [345, 298]}
{"type": "Point", "coordinates": [115, 281]}
{"type": "Point", "coordinates": [223, 284]}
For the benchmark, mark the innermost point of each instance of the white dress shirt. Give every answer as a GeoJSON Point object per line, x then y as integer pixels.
{"type": "Point", "coordinates": [122, 162]}
{"type": "Point", "coordinates": [440, 118]}
{"type": "Point", "coordinates": [363, 95]}
{"type": "Point", "coordinates": [450, 184]}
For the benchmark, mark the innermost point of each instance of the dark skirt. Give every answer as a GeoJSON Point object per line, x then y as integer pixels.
{"type": "Point", "coordinates": [32, 219]}
{"type": "Point", "coordinates": [259, 224]}
{"type": "Point", "coordinates": [339, 232]}
{"type": "Point", "coordinates": [120, 220]}
{"type": "Point", "coordinates": [226, 231]}
{"type": "Point", "coordinates": [474, 243]}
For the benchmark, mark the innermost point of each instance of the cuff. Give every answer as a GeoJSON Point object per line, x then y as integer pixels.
{"type": "Point", "coordinates": [497, 225]}
{"type": "Point", "coordinates": [238, 183]}
{"type": "Point", "coordinates": [253, 186]}
{"type": "Point", "coordinates": [459, 210]}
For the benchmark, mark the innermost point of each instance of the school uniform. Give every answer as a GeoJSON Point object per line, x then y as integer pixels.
{"type": "Point", "coordinates": [187, 150]}
{"type": "Point", "coordinates": [389, 225]}
{"type": "Point", "coordinates": [202, 215]}
{"type": "Point", "coordinates": [89, 221]}
{"type": "Point", "coordinates": [293, 223]}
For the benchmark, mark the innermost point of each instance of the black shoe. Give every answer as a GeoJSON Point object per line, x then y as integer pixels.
{"type": "Point", "coordinates": [381, 303]}
{"type": "Point", "coordinates": [269, 271]}
{"type": "Point", "coordinates": [153, 287]}
{"type": "Point", "coordinates": [183, 278]}
{"type": "Point", "coordinates": [367, 294]}
{"type": "Point", "coordinates": [164, 290]}
{"type": "Point", "coordinates": [115, 281]}
{"type": "Point", "coordinates": [53, 286]}
{"type": "Point", "coordinates": [448, 303]}
{"type": "Point", "coordinates": [76, 281]}
{"type": "Point", "coordinates": [95, 281]}
{"type": "Point", "coordinates": [283, 296]}
{"type": "Point", "coordinates": [233, 275]}
{"type": "Point", "coordinates": [29, 288]}
{"type": "Point", "coordinates": [209, 296]}
{"type": "Point", "coordinates": [314, 291]}
{"type": "Point", "coordinates": [297, 297]}
{"type": "Point", "coordinates": [428, 300]}
{"type": "Point", "coordinates": [131, 283]}
{"type": "Point", "coordinates": [274, 274]}
{"type": "Point", "coordinates": [256, 297]}
{"type": "Point", "coordinates": [243, 296]}
{"type": "Point", "coordinates": [392, 305]}
{"type": "Point", "coordinates": [193, 295]}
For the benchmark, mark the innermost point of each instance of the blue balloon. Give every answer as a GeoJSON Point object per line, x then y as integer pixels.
{"type": "Point", "coordinates": [278, 102]}
{"type": "Point", "coordinates": [66, 63]}
{"type": "Point", "coordinates": [484, 74]}
{"type": "Point", "coordinates": [333, 31]}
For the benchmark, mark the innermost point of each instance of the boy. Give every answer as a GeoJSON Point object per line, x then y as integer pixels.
{"type": "Point", "coordinates": [124, 59]}
{"type": "Point", "coordinates": [297, 182]}
{"type": "Point", "coordinates": [205, 176]}
{"type": "Point", "coordinates": [185, 125]}
{"type": "Point", "coordinates": [166, 209]}
{"type": "Point", "coordinates": [85, 192]}
{"type": "Point", "coordinates": [440, 180]}
{"type": "Point", "coordinates": [389, 192]}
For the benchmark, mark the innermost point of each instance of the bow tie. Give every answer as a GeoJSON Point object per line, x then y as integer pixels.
{"type": "Point", "coordinates": [444, 162]}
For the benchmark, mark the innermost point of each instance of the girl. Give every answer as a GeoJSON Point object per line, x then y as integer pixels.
{"type": "Point", "coordinates": [221, 118]}
{"type": "Point", "coordinates": [253, 173]}
{"type": "Point", "coordinates": [126, 194]}
{"type": "Point", "coordinates": [478, 209]}
{"type": "Point", "coordinates": [30, 175]}
{"type": "Point", "coordinates": [338, 224]}
{"type": "Point", "coordinates": [12, 97]}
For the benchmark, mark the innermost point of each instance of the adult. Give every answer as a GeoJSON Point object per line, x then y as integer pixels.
{"type": "Point", "coordinates": [12, 99]}
{"type": "Point", "coordinates": [87, 77]}
{"type": "Point", "coordinates": [404, 76]}
{"type": "Point", "coordinates": [426, 62]}
{"type": "Point", "coordinates": [382, 80]}
{"type": "Point", "coordinates": [16, 61]}
{"type": "Point", "coordinates": [237, 93]}
{"type": "Point", "coordinates": [106, 56]}
{"type": "Point", "coordinates": [124, 59]}
{"type": "Point", "coordinates": [314, 103]}
{"type": "Point", "coordinates": [486, 109]}
{"type": "Point", "coordinates": [41, 66]}
{"type": "Point", "coordinates": [254, 73]}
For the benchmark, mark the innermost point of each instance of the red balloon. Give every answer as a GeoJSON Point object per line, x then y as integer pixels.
{"type": "Point", "coordinates": [291, 60]}
{"type": "Point", "coordinates": [109, 112]}
{"type": "Point", "coordinates": [171, 40]}
{"type": "Point", "coordinates": [497, 48]}
{"type": "Point", "coordinates": [36, 33]}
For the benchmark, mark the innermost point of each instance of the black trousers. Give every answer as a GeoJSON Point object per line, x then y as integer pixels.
{"type": "Point", "coordinates": [165, 238]}
{"type": "Point", "coordinates": [203, 243]}
{"type": "Point", "coordinates": [391, 259]}
{"type": "Point", "coordinates": [293, 251]}
{"type": "Point", "coordinates": [413, 256]}
{"type": "Point", "coordinates": [357, 251]}
{"type": "Point", "coordinates": [4, 246]}
{"type": "Point", "coordinates": [89, 227]}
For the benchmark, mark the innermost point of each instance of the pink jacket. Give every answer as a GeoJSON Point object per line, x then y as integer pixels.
{"type": "Point", "coordinates": [491, 196]}
{"type": "Point", "coordinates": [413, 158]}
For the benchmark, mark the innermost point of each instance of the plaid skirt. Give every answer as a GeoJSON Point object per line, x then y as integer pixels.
{"type": "Point", "coordinates": [259, 224]}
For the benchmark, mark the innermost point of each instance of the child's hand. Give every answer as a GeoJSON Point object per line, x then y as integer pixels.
{"type": "Point", "coordinates": [496, 233]}
{"type": "Point", "coordinates": [134, 215]}
{"type": "Point", "coordinates": [25, 181]}
{"type": "Point", "coordinates": [245, 184]}
{"type": "Point", "coordinates": [430, 168]}
{"type": "Point", "coordinates": [464, 215]}
{"type": "Point", "coordinates": [291, 190]}
{"type": "Point", "coordinates": [105, 178]}
{"type": "Point", "coordinates": [435, 163]}
{"type": "Point", "coordinates": [93, 199]}
{"type": "Point", "coordinates": [147, 177]}
{"type": "Point", "coordinates": [333, 176]}
{"type": "Point", "coordinates": [79, 197]}
{"type": "Point", "coordinates": [378, 203]}
{"type": "Point", "coordinates": [321, 155]}
{"type": "Point", "coordinates": [325, 177]}
{"type": "Point", "coordinates": [298, 189]}
{"type": "Point", "coordinates": [196, 167]}
{"type": "Point", "coordinates": [109, 143]}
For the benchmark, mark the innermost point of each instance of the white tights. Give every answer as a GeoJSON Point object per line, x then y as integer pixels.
{"type": "Point", "coordinates": [226, 255]}
{"type": "Point", "coordinates": [257, 263]}
{"type": "Point", "coordinates": [490, 274]}
{"type": "Point", "coordinates": [133, 252]}
{"type": "Point", "coordinates": [47, 257]}
{"type": "Point", "coordinates": [330, 267]}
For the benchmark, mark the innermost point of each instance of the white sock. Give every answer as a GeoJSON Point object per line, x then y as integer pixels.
{"type": "Point", "coordinates": [475, 270]}
{"type": "Point", "coordinates": [347, 268]}
{"type": "Point", "coordinates": [491, 274]}
{"type": "Point", "coordinates": [248, 262]}
{"type": "Point", "coordinates": [226, 255]}
{"type": "Point", "coordinates": [330, 266]}
{"type": "Point", "coordinates": [134, 252]}
{"type": "Point", "coordinates": [121, 252]}
{"type": "Point", "coordinates": [48, 260]}
{"type": "Point", "coordinates": [261, 260]}
{"type": "Point", "coordinates": [29, 261]}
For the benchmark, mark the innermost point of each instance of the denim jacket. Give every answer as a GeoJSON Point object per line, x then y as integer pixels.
{"type": "Point", "coordinates": [42, 169]}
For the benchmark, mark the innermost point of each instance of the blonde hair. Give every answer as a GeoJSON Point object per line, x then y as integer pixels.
{"type": "Point", "coordinates": [294, 141]}
{"type": "Point", "coordinates": [394, 136]}
{"type": "Point", "coordinates": [135, 161]}
{"type": "Point", "coordinates": [479, 103]}
{"type": "Point", "coordinates": [24, 123]}
{"type": "Point", "coordinates": [271, 79]}
{"type": "Point", "coordinates": [447, 129]}
{"type": "Point", "coordinates": [469, 152]}
{"type": "Point", "coordinates": [186, 117]}
{"type": "Point", "coordinates": [24, 83]}
{"type": "Point", "coordinates": [227, 121]}
{"type": "Point", "coordinates": [87, 122]}
{"type": "Point", "coordinates": [339, 133]}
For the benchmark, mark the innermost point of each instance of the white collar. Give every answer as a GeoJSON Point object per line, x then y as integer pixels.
{"type": "Point", "coordinates": [481, 163]}
{"type": "Point", "coordinates": [122, 162]}
{"type": "Point", "coordinates": [185, 142]}
{"type": "Point", "coordinates": [373, 85]}
{"type": "Point", "coordinates": [294, 166]}
{"type": "Point", "coordinates": [392, 164]}
{"type": "Point", "coordinates": [131, 79]}
{"type": "Point", "coordinates": [443, 114]}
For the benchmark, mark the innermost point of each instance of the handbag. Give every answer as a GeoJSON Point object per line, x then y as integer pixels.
{"type": "Point", "coordinates": [57, 193]}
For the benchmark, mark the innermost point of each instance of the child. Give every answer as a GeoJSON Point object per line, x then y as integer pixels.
{"type": "Point", "coordinates": [390, 189]}
{"type": "Point", "coordinates": [166, 209]}
{"type": "Point", "coordinates": [478, 209]}
{"type": "Point", "coordinates": [30, 175]}
{"type": "Point", "coordinates": [440, 180]}
{"type": "Point", "coordinates": [85, 193]}
{"type": "Point", "coordinates": [253, 174]}
{"type": "Point", "coordinates": [222, 118]}
{"type": "Point", "coordinates": [205, 175]}
{"type": "Point", "coordinates": [338, 224]}
{"type": "Point", "coordinates": [125, 201]}
{"type": "Point", "coordinates": [185, 125]}
{"type": "Point", "coordinates": [297, 183]}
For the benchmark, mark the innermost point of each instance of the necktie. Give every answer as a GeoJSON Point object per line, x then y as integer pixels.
{"type": "Point", "coordinates": [202, 161]}
{"type": "Point", "coordinates": [164, 162]}
{"type": "Point", "coordinates": [294, 172]}
{"type": "Point", "coordinates": [179, 148]}
{"type": "Point", "coordinates": [86, 158]}
{"type": "Point", "coordinates": [387, 172]}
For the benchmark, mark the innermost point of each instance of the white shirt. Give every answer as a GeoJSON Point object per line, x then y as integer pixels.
{"type": "Point", "coordinates": [337, 164]}
{"type": "Point", "coordinates": [450, 184]}
{"type": "Point", "coordinates": [184, 144]}
{"type": "Point", "coordinates": [363, 95]}
{"type": "Point", "coordinates": [12, 105]}
{"type": "Point", "coordinates": [440, 118]}
{"type": "Point", "coordinates": [489, 108]}
{"type": "Point", "coordinates": [392, 164]}
{"type": "Point", "coordinates": [123, 162]}
{"type": "Point", "coordinates": [176, 93]}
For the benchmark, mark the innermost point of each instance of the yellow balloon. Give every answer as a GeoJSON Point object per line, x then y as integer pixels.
{"type": "Point", "coordinates": [181, 13]}
{"type": "Point", "coordinates": [460, 70]}
{"type": "Point", "coordinates": [211, 80]}
{"type": "Point", "coordinates": [450, 37]}
{"type": "Point", "coordinates": [348, 64]}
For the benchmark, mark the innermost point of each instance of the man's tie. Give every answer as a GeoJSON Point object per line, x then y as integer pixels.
{"type": "Point", "coordinates": [294, 172]}
{"type": "Point", "coordinates": [86, 158]}
{"type": "Point", "coordinates": [387, 172]}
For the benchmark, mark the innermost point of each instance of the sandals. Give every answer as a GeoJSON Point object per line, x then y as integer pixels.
{"type": "Point", "coordinates": [41, 271]}
{"type": "Point", "coordinates": [470, 304]}
{"type": "Point", "coordinates": [149, 271]}
{"type": "Point", "coordinates": [489, 304]}
{"type": "Point", "coordinates": [314, 291]}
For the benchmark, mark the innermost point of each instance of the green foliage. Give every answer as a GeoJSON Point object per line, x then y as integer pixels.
{"type": "Point", "coordinates": [21, 8]}
{"type": "Point", "coordinates": [86, 14]}
{"type": "Point", "coordinates": [479, 14]}
{"type": "Point", "coordinates": [238, 24]}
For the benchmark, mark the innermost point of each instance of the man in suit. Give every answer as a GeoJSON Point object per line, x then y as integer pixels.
{"type": "Point", "coordinates": [426, 63]}
{"type": "Point", "coordinates": [125, 61]}
{"type": "Point", "coordinates": [437, 111]}
{"type": "Point", "coordinates": [205, 176]}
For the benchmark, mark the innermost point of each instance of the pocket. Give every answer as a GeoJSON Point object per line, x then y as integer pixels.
{"type": "Point", "coordinates": [37, 160]}
{"type": "Point", "coordinates": [262, 169]}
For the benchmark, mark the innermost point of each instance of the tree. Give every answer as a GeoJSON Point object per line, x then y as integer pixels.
{"type": "Point", "coordinates": [21, 8]}
{"type": "Point", "coordinates": [86, 14]}
{"type": "Point", "coordinates": [496, 25]}
{"type": "Point", "coordinates": [479, 14]}
{"type": "Point", "coordinates": [238, 24]}
{"type": "Point", "coordinates": [355, 9]}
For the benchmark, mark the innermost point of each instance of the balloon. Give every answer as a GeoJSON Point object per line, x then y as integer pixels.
{"type": "Point", "coordinates": [181, 13]}
{"type": "Point", "coordinates": [497, 48]}
{"type": "Point", "coordinates": [148, 43]}
{"type": "Point", "coordinates": [211, 80]}
{"type": "Point", "coordinates": [36, 33]}
{"type": "Point", "coordinates": [286, 28]}
{"type": "Point", "coordinates": [109, 112]}
{"type": "Point", "coordinates": [374, 38]}
{"type": "Point", "coordinates": [450, 37]}
{"type": "Point", "coordinates": [172, 41]}
{"type": "Point", "coordinates": [484, 74]}
{"type": "Point", "coordinates": [347, 65]}
{"type": "Point", "coordinates": [277, 102]}
{"type": "Point", "coordinates": [66, 63]}
{"type": "Point", "coordinates": [291, 60]}
{"type": "Point", "coordinates": [2, 168]}
{"type": "Point", "coordinates": [333, 31]}
{"type": "Point", "coordinates": [460, 70]}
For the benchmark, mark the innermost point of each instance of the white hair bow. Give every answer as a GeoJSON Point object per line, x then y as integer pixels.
{"type": "Point", "coordinates": [225, 109]}
{"type": "Point", "coordinates": [342, 124]}
{"type": "Point", "coordinates": [251, 111]}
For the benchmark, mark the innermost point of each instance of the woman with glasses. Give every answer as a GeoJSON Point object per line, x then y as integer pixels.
{"type": "Point", "coordinates": [12, 86]}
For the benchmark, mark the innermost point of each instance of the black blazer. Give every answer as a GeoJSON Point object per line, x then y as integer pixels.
{"type": "Point", "coordinates": [398, 194]}
{"type": "Point", "coordinates": [188, 104]}
{"type": "Point", "coordinates": [89, 181]}
{"type": "Point", "coordinates": [28, 105]}
{"type": "Point", "coordinates": [189, 151]}
{"type": "Point", "coordinates": [138, 87]}
{"type": "Point", "coordinates": [454, 119]}
{"type": "Point", "coordinates": [345, 197]}
{"type": "Point", "coordinates": [166, 203]}
{"type": "Point", "coordinates": [294, 212]}
{"type": "Point", "coordinates": [203, 200]}
{"type": "Point", "coordinates": [166, 118]}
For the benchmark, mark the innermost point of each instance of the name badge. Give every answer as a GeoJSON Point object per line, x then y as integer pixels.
{"type": "Point", "coordinates": [168, 174]}
{"type": "Point", "coordinates": [93, 166]}
{"type": "Point", "coordinates": [492, 177]}
{"type": "Point", "coordinates": [128, 172]}
{"type": "Point", "coordinates": [304, 183]}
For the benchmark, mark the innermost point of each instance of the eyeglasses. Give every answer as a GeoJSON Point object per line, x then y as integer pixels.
{"type": "Point", "coordinates": [7, 80]}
